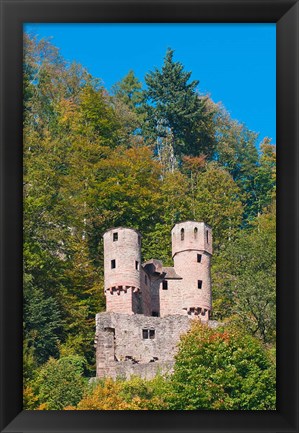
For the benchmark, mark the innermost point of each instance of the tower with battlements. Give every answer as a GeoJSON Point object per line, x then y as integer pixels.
{"type": "Point", "coordinates": [148, 305]}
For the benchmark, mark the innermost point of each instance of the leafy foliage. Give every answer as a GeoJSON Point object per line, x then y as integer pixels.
{"type": "Point", "coordinates": [222, 369]}
{"type": "Point", "coordinates": [146, 159]}
{"type": "Point", "coordinates": [135, 394]}
{"type": "Point", "coordinates": [245, 278]}
{"type": "Point", "coordinates": [41, 334]}
{"type": "Point", "coordinates": [60, 383]}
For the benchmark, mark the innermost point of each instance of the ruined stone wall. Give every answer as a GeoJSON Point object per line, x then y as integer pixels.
{"type": "Point", "coordinates": [120, 339]}
{"type": "Point", "coordinates": [129, 338]}
{"type": "Point", "coordinates": [127, 369]}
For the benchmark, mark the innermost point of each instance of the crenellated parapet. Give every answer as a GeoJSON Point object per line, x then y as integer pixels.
{"type": "Point", "coordinates": [148, 305]}
{"type": "Point", "coordinates": [151, 288]}
{"type": "Point", "coordinates": [122, 264]}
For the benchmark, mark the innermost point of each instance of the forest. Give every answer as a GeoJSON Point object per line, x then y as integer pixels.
{"type": "Point", "coordinates": [145, 157]}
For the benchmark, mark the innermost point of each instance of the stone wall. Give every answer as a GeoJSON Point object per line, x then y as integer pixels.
{"type": "Point", "coordinates": [192, 250]}
{"type": "Point", "coordinates": [145, 286]}
{"type": "Point", "coordinates": [120, 343]}
{"type": "Point", "coordinates": [190, 235]}
{"type": "Point", "coordinates": [130, 339]}
{"type": "Point", "coordinates": [127, 369]}
{"type": "Point", "coordinates": [171, 299]}
{"type": "Point", "coordinates": [194, 273]}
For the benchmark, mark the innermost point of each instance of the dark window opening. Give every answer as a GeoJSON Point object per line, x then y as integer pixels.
{"type": "Point", "coordinates": [137, 266]}
{"type": "Point", "coordinates": [115, 237]}
{"type": "Point", "coordinates": [207, 233]}
{"type": "Point", "coordinates": [199, 258]}
{"type": "Point", "coordinates": [148, 333]}
{"type": "Point", "coordinates": [111, 330]}
{"type": "Point", "coordinates": [195, 232]}
{"type": "Point", "coordinates": [182, 234]}
{"type": "Point", "coordinates": [139, 240]}
{"type": "Point", "coordinates": [164, 284]}
{"type": "Point", "coordinates": [151, 334]}
{"type": "Point", "coordinates": [199, 284]}
{"type": "Point", "coordinates": [155, 314]}
{"type": "Point", "coordinates": [113, 264]}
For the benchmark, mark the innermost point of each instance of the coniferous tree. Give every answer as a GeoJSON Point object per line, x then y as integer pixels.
{"type": "Point", "coordinates": [86, 168]}
{"type": "Point", "coordinates": [174, 108]}
{"type": "Point", "coordinates": [129, 90]}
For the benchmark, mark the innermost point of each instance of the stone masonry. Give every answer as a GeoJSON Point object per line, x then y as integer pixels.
{"type": "Point", "coordinates": [148, 306]}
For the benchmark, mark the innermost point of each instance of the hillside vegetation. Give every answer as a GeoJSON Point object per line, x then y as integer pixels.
{"type": "Point", "coordinates": [143, 158]}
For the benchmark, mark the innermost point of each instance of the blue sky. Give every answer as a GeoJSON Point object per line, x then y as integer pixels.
{"type": "Point", "coordinates": [235, 63]}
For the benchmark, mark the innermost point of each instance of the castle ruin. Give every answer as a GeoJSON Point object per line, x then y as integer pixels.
{"type": "Point", "coordinates": [148, 306]}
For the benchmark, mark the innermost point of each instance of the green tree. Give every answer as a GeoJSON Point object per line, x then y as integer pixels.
{"type": "Point", "coordinates": [237, 153]}
{"type": "Point", "coordinates": [127, 190]}
{"type": "Point", "coordinates": [132, 394]}
{"type": "Point", "coordinates": [174, 207]}
{"type": "Point", "coordinates": [48, 79]}
{"type": "Point", "coordinates": [223, 369]}
{"type": "Point", "coordinates": [60, 383]}
{"type": "Point", "coordinates": [217, 200]}
{"type": "Point", "coordinates": [265, 180]}
{"type": "Point", "coordinates": [175, 109]}
{"type": "Point", "coordinates": [42, 322]}
{"type": "Point", "coordinates": [129, 90]}
{"type": "Point", "coordinates": [244, 278]}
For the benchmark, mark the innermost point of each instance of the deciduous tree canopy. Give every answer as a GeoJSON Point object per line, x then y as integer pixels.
{"type": "Point", "coordinates": [144, 158]}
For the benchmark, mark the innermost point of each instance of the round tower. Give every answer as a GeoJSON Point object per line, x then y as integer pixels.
{"type": "Point", "coordinates": [122, 262]}
{"type": "Point", "coordinates": [191, 252]}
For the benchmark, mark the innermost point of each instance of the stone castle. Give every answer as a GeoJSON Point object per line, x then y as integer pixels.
{"type": "Point", "coordinates": [148, 306]}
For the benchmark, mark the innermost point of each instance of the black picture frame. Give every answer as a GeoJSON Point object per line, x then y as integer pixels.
{"type": "Point", "coordinates": [285, 14]}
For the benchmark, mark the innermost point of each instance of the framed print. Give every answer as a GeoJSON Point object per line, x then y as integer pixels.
{"type": "Point", "coordinates": [138, 229]}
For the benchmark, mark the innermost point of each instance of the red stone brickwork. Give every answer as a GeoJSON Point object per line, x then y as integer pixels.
{"type": "Point", "coordinates": [122, 264]}
{"type": "Point", "coordinates": [151, 289]}
{"type": "Point", "coordinates": [130, 341]}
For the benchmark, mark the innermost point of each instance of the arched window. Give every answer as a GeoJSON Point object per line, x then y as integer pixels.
{"type": "Point", "coordinates": [182, 234]}
{"type": "Point", "coordinates": [195, 232]}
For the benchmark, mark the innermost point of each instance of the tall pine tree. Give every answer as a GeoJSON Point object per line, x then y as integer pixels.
{"type": "Point", "coordinates": [176, 111]}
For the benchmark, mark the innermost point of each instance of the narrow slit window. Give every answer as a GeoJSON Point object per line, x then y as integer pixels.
{"type": "Point", "coordinates": [199, 284]}
{"type": "Point", "coordinates": [113, 264]}
{"type": "Point", "coordinates": [195, 232]}
{"type": "Point", "coordinates": [199, 256]}
{"type": "Point", "coordinates": [136, 265]}
{"type": "Point", "coordinates": [139, 240]}
{"type": "Point", "coordinates": [207, 234]}
{"type": "Point", "coordinates": [145, 334]}
{"type": "Point", "coordinates": [164, 284]}
{"type": "Point", "coordinates": [115, 237]}
{"type": "Point", "coordinates": [182, 234]}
